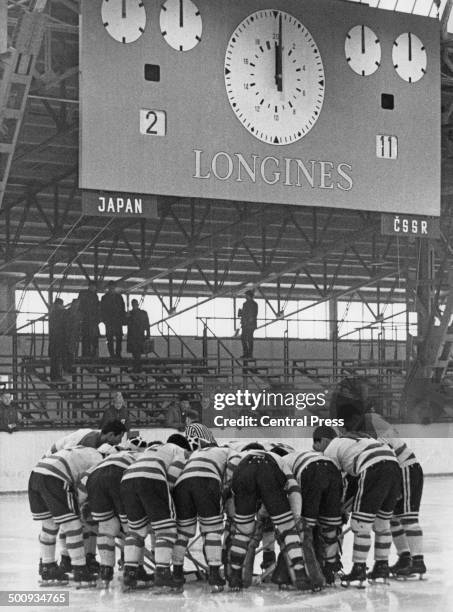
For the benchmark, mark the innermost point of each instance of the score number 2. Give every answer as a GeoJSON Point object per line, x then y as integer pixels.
{"type": "Point", "coordinates": [153, 122]}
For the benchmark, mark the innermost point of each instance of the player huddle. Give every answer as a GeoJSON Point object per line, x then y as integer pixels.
{"type": "Point", "coordinates": [92, 490]}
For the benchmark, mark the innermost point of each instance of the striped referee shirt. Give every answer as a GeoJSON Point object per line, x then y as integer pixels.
{"type": "Point", "coordinates": [198, 430]}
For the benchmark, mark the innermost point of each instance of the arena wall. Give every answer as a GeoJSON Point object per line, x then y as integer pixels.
{"type": "Point", "coordinates": [19, 452]}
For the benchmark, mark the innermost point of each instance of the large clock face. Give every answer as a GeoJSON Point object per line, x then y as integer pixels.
{"type": "Point", "coordinates": [124, 20]}
{"type": "Point", "coordinates": [274, 77]}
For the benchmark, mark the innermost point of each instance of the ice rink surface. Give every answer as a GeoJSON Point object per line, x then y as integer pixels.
{"type": "Point", "coordinates": [19, 556]}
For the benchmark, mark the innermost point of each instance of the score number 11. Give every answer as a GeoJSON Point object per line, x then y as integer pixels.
{"type": "Point", "coordinates": [386, 146]}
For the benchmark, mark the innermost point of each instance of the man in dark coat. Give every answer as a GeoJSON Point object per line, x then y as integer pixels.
{"type": "Point", "coordinates": [57, 339]}
{"type": "Point", "coordinates": [90, 316]}
{"type": "Point", "coordinates": [9, 417]}
{"type": "Point", "coordinates": [137, 331]}
{"type": "Point", "coordinates": [248, 314]}
{"type": "Point", "coordinates": [113, 315]}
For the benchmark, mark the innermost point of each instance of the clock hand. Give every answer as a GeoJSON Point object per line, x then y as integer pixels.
{"type": "Point", "coordinates": [363, 39]}
{"type": "Point", "coordinates": [123, 9]}
{"type": "Point", "coordinates": [278, 58]}
{"type": "Point", "coordinates": [181, 14]}
{"type": "Point", "coordinates": [410, 46]}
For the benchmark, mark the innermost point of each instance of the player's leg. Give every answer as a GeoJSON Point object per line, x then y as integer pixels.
{"type": "Point", "coordinates": [271, 482]}
{"type": "Point", "coordinates": [246, 502]}
{"type": "Point", "coordinates": [388, 478]}
{"type": "Point", "coordinates": [362, 518]}
{"type": "Point", "coordinates": [138, 524]}
{"type": "Point", "coordinates": [161, 513]}
{"type": "Point", "coordinates": [186, 523]}
{"type": "Point", "coordinates": [207, 498]}
{"type": "Point", "coordinates": [406, 520]}
{"type": "Point", "coordinates": [330, 522]}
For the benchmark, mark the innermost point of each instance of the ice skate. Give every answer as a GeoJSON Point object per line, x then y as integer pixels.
{"type": "Point", "coordinates": [215, 580]}
{"type": "Point", "coordinates": [83, 577]}
{"type": "Point", "coordinates": [330, 571]}
{"type": "Point", "coordinates": [357, 574]}
{"type": "Point", "coordinates": [302, 582]}
{"type": "Point", "coordinates": [65, 564]}
{"type": "Point", "coordinates": [106, 575]}
{"type": "Point", "coordinates": [403, 567]}
{"type": "Point", "coordinates": [380, 571]}
{"type": "Point", "coordinates": [143, 576]}
{"type": "Point", "coordinates": [418, 566]}
{"type": "Point", "coordinates": [52, 575]}
{"type": "Point", "coordinates": [164, 582]}
{"type": "Point", "coordinates": [235, 580]}
{"type": "Point", "coordinates": [178, 575]}
{"type": "Point", "coordinates": [92, 563]}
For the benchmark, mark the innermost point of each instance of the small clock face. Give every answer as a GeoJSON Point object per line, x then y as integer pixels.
{"type": "Point", "coordinates": [180, 24]}
{"type": "Point", "coordinates": [124, 20]}
{"type": "Point", "coordinates": [409, 57]}
{"type": "Point", "coordinates": [362, 50]}
{"type": "Point", "coordinates": [274, 77]}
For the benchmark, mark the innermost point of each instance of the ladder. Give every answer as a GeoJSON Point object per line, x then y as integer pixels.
{"type": "Point", "coordinates": [17, 66]}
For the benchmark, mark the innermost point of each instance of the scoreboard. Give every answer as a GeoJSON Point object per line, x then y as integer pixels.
{"type": "Point", "coordinates": [303, 102]}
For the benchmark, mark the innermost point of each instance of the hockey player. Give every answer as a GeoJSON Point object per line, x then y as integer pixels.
{"type": "Point", "coordinates": [322, 488]}
{"type": "Point", "coordinates": [145, 492]}
{"type": "Point", "coordinates": [378, 475]}
{"type": "Point", "coordinates": [406, 531]}
{"type": "Point", "coordinates": [198, 493]}
{"type": "Point", "coordinates": [262, 478]}
{"type": "Point", "coordinates": [111, 434]}
{"type": "Point", "coordinates": [102, 485]}
{"type": "Point", "coordinates": [51, 493]}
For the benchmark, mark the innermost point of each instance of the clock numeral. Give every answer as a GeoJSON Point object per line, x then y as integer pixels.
{"type": "Point", "coordinates": [246, 85]}
{"type": "Point", "coordinates": [257, 109]}
{"type": "Point", "coordinates": [246, 60]}
{"type": "Point", "coordinates": [257, 41]}
{"type": "Point", "coordinates": [276, 118]}
{"type": "Point", "coordinates": [386, 146]}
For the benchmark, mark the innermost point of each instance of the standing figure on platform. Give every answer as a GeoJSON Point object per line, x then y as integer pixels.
{"type": "Point", "coordinates": [73, 320]}
{"type": "Point", "coordinates": [137, 331]}
{"type": "Point", "coordinates": [89, 310]}
{"type": "Point", "coordinates": [57, 338]}
{"type": "Point", "coordinates": [113, 315]}
{"type": "Point", "coordinates": [248, 314]}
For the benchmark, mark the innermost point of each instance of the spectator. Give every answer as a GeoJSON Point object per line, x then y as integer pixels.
{"type": "Point", "coordinates": [57, 339]}
{"type": "Point", "coordinates": [90, 317]}
{"type": "Point", "coordinates": [9, 417]}
{"type": "Point", "coordinates": [113, 315]}
{"type": "Point", "coordinates": [137, 331]}
{"type": "Point", "coordinates": [176, 413]}
{"type": "Point", "coordinates": [72, 334]}
{"type": "Point", "coordinates": [248, 314]}
{"type": "Point", "coordinates": [116, 412]}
